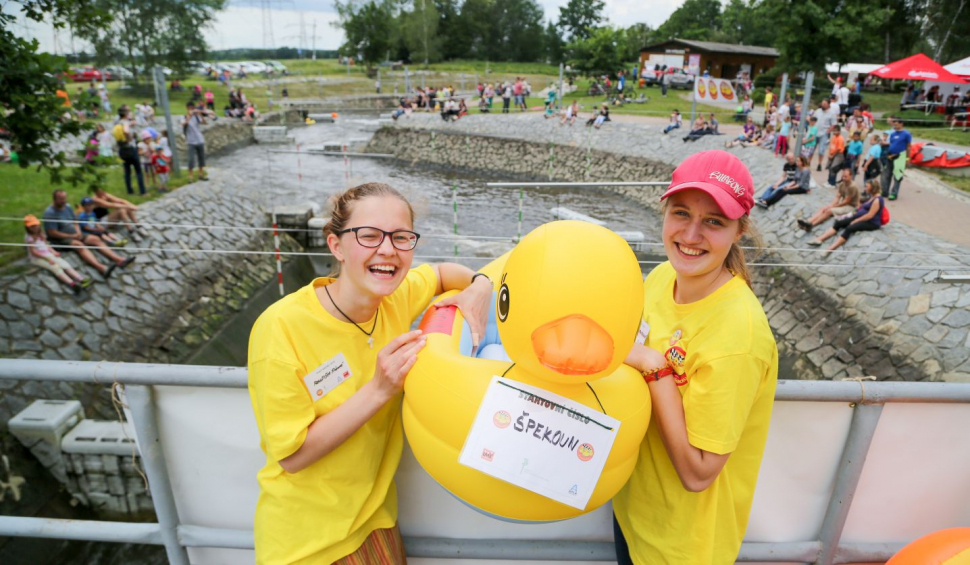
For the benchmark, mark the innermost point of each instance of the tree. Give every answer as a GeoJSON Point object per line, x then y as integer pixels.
{"type": "Point", "coordinates": [599, 54]}
{"type": "Point", "coordinates": [694, 19]}
{"type": "Point", "coordinates": [635, 38]}
{"type": "Point", "coordinates": [419, 29]}
{"type": "Point", "coordinates": [175, 38]}
{"type": "Point", "coordinates": [555, 46]}
{"type": "Point", "coordinates": [516, 33]}
{"type": "Point", "coordinates": [29, 80]}
{"type": "Point", "coordinates": [949, 38]}
{"type": "Point", "coordinates": [578, 18]}
{"type": "Point", "coordinates": [367, 29]}
{"type": "Point", "coordinates": [812, 33]}
{"type": "Point", "coordinates": [748, 22]}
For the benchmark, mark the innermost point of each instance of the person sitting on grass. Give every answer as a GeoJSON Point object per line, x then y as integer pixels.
{"type": "Point", "coordinates": [90, 225]}
{"type": "Point", "coordinates": [800, 185]}
{"type": "Point", "coordinates": [867, 218]}
{"type": "Point", "coordinates": [114, 210]}
{"type": "Point", "coordinates": [845, 202]}
{"type": "Point", "coordinates": [42, 255]}
{"type": "Point", "coordinates": [63, 232]}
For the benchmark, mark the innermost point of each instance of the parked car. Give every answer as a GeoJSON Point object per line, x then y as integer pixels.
{"type": "Point", "coordinates": [276, 66]}
{"type": "Point", "coordinates": [679, 78]}
{"type": "Point", "coordinates": [85, 74]}
{"type": "Point", "coordinates": [117, 72]}
{"type": "Point", "coordinates": [254, 67]}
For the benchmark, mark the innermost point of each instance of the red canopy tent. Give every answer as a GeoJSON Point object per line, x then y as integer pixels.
{"type": "Point", "coordinates": [917, 67]}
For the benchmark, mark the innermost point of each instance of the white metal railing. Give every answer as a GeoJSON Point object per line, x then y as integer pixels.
{"type": "Point", "coordinates": [866, 398]}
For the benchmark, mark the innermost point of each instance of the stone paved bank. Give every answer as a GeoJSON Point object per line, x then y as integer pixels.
{"type": "Point", "coordinates": [859, 312]}
{"type": "Point", "coordinates": [159, 309]}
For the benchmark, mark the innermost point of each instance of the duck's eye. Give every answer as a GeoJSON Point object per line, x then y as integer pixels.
{"type": "Point", "coordinates": [503, 302]}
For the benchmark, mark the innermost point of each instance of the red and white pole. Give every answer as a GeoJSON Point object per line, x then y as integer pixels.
{"type": "Point", "coordinates": [279, 262]}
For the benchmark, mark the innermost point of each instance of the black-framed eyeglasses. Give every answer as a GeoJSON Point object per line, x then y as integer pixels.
{"type": "Point", "coordinates": [367, 236]}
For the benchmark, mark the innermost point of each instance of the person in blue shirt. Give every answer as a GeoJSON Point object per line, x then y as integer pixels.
{"type": "Point", "coordinates": [852, 153]}
{"type": "Point", "coordinates": [872, 166]}
{"type": "Point", "coordinates": [898, 153]}
{"type": "Point", "coordinates": [90, 225]}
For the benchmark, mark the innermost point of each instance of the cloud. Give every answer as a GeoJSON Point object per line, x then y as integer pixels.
{"type": "Point", "coordinates": [623, 13]}
{"type": "Point", "coordinates": [242, 26]}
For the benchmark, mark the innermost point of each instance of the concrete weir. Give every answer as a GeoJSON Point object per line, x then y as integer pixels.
{"type": "Point", "coordinates": [875, 309]}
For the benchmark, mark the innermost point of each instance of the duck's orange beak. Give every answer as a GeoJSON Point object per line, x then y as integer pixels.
{"type": "Point", "coordinates": [573, 345]}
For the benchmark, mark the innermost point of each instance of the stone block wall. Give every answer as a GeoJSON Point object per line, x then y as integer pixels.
{"type": "Point", "coordinates": [892, 323]}
{"type": "Point", "coordinates": [159, 309]}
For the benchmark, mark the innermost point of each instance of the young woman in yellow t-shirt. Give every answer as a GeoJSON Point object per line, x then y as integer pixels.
{"type": "Point", "coordinates": [711, 363]}
{"type": "Point", "coordinates": [327, 365]}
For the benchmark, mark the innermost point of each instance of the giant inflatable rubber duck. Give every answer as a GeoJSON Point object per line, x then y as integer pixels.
{"type": "Point", "coordinates": [568, 305]}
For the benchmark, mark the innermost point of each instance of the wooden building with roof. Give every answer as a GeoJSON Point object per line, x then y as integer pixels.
{"type": "Point", "coordinates": [721, 60]}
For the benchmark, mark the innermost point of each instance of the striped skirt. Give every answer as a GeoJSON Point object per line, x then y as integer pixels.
{"type": "Point", "coordinates": [382, 547]}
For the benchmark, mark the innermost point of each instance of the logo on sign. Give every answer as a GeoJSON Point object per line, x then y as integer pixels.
{"type": "Point", "coordinates": [712, 88]}
{"type": "Point", "coordinates": [701, 88]}
{"type": "Point", "coordinates": [488, 454]}
{"type": "Point", "coordinates": [502, 419]}
{"type": "Point", "coordinates": [726, 91]}
{"type": "Point", "coordinates": [584, 452]}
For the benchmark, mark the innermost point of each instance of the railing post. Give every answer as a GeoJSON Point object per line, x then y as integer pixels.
{"type": "Point", "coordinates": [865, 418]}
{"type": "Point", "coordinates": [141, 403]}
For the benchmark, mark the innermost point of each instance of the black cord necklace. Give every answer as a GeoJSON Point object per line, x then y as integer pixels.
{"type": "Point", "coordinates": [369, 334]}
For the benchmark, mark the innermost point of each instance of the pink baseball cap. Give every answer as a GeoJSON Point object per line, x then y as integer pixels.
{"type": "Point", "coordinates": [720, 174]}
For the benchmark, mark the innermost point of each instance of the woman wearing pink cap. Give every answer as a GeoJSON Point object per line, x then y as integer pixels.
{"type": "Point", "coordinates": [710, 360]}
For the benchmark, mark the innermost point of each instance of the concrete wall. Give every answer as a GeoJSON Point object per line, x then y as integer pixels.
{"type": "Point", "coordinates": [837, 322]}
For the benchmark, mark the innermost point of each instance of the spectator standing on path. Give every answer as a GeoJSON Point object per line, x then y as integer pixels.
{"type": "Point", "coordinates": [506, 97]}
{"type": "Point", "coordinates": [769, 98]}
{"type": "Point", "coordinates": [105, 100]}
{"type": "Point", "coordinates": [836, 153]}
{"type": "Point", "coordinates": [826, 116]}
{"type": "Point", "coordinates": [127, 150]}
{"type": "Point", "coordinates": [872, 166]}
{"type": "Point", "coordinates": [63, 231]}
{"type": "Point", "coordinates": [191, 127]}
{"type": "Point", "coordinates": [663, 81]}
{"type": "Point", "coordinates": [899, 145]}
{"type": "Point", "coordinates": [42, 255]}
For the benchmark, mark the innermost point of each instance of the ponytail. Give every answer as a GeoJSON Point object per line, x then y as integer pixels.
{"type": "Point", "coordinates": [736, 261]}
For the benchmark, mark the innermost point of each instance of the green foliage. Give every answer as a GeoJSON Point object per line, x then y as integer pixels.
{"type": "Point", "coordinates": [29, 82]}
{"type": "Point", "coordinates": [419, 29]}
{"type": "Point", "coordinates": [811, 33]}
{"type": "Point", "coordinates": [152, 32]}
{"type": "Point", "coordinates": [579, 18]}
{"type": "Point", "coordinates": [368, 29]}
{"type": "Point", "coordinates": [635, 38]}
{"type": "Point", "coordinates": [748, 22]}
{"type": "Point", "coordinates": [600, 54]}
{"type": "Point", "coordinates": [694, 19]}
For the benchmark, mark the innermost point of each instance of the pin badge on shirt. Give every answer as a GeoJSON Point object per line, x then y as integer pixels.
{"type": "Point", "coordinates": [331, 373]}
{"type": "Point", "coordinates": [643, 332]}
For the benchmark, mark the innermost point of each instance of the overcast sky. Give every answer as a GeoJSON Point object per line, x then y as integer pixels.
{"type": "Point", "coordinates": [241, 24]}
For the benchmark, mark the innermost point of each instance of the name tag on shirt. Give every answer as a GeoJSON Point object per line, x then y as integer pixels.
{"type": "Point", "coordinates": [642, 332]}
{"type": "Point", "coordinates": [327, 376]}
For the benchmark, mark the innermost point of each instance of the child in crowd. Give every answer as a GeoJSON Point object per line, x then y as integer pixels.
{"type": "Point", "coordinates": [852, 153]}
{"type": "Point", "coordinates": [146, 148]}
{"type": "Point", "coordinates": [210, 99]}
{"type": "Point", "coordinates": [89, 224]}
{"type": "Point", "coordinates": [163, 143]}
{"type": "Point", "coordinates": [160, 163]}
{"type": "Point", "coordinates": [42, 255]}
{"type": "Point", "coordinates": [781, 146]}
{"type": "Point", "coordinates": [675, 121]}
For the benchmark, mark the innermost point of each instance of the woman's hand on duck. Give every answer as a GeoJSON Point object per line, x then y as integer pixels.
{"type": "Point", "coordinates": [474, 303]}
{"type": "Point", "coordinates": [395, 360]}
{"type": "Point", "coordinates": [643, 358]}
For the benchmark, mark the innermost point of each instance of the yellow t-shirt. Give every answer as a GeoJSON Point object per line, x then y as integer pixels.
{"type": "Point", "coordinates": [327, 510]}
{"type": "Point", "coordinates": [731, 369]}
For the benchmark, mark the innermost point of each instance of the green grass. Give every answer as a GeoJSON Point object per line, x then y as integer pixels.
{"type": "Point", "coordinates": [27, 191]}
{"type": "Point", "coordinates": [958, 182]}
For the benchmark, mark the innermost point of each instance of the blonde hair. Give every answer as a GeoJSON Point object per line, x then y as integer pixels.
{"type": "Point", "coordinates": [342, 206]}
{"type": "Point", "coordinates": [736, 262]}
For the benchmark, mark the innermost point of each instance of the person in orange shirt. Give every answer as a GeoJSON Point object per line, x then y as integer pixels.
{"type": "Point", "coordinates": [836, 153]}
